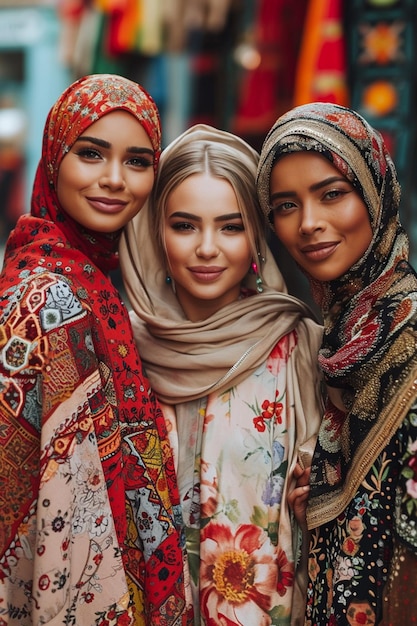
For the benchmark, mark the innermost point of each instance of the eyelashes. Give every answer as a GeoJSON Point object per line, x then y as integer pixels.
{"type": "Point", "coordinates": [187, 226]}
{"type": "Point", "coordinates": [327, 197]}
{"type": "Point", "coordinates": [138, 161]}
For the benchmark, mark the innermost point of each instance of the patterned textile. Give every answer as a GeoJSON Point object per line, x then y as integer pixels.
{"type": "Point", "coordinates": [88, 496]}
{"type": "Point", "coordinates": [265, 88]}
{"type": "Point", "coordinates": [363, 486]}
{"type": "Point", "coordinates": [237, 412]}
{"type": "Point", "coordinates": [381, 44]}
{"type": "Point", "coordinates": [322, 68]}
{"type": "Point", "coordinates": [234, 452]}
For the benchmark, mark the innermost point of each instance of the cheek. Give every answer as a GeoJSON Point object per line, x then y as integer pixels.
{"type": "Point", "coordinates": [286, 230]}
{"type": "Point", "coordinates": [141, 186]}
{"type": "Point", "coordinates": [235, 246]}
{"type": "Point", "coordinates": [355, 219]}
{"type": "Point", "coordinates": [71, 177]}
{"type": "Point", "coordinates": [175, 249]}
{"type": "Point", "coordinates": [356, 222]}
{"type": "Point", "coordinates": [64, 187]}
{"type": "Point", "coordinates": [242, 256]}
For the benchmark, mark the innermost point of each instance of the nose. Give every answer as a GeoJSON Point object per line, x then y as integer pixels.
{"type": "Point", "coordinates": [112, 176]}
{"type": "Point", "coordinates": [311, 218]}
{"type": "Point", "coordinates": [207, 245]}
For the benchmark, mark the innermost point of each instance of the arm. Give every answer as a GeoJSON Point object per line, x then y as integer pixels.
{"type": "Point", "coordinates": [56, 518]}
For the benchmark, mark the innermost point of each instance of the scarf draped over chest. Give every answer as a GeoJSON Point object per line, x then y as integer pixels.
{"type": "Point", "coordinates": [368, 353]}
{"type": "Point", "coordinates": [64, 324]}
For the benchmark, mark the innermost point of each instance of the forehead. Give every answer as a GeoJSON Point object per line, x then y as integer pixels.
{"type": "Point", "coordinates": [120, 127]}
{"type": "Point", "coordinates": [203, 191]}
{"type": "Point", "coordinates": [301, 168]}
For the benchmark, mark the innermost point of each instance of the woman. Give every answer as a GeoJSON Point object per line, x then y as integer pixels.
{"type": "Point", "coordinates": [330, 188]}
{"type": "Point", "coordinates": [88, 496]}
{"type": "Point", "coordinates": [225, 350]}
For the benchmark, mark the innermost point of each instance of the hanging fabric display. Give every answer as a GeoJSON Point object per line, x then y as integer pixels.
{"type": "Point", "coordinates": [321, 68]}
{"type": "Point", "coordinates": [381, 38]}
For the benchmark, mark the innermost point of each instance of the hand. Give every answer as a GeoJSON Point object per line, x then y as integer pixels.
{"type": "Point", "coordinates": [297, 498]}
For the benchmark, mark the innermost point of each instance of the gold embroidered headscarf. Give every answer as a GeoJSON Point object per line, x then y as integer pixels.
{"type": "Point", "coordinates": [369, 346]}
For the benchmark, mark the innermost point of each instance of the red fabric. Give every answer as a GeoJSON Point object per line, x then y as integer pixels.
{"type": "Point", "coordinates": [80, 105]}
{"type": "Point", "coordinates": [48, 239]}
{"type": "Point", "coordinates": [266, 91]}
{"type": "Point", "coordinates": [321, 70]}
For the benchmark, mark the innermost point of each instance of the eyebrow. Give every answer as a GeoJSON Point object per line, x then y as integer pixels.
{"type": "Point", "coordinates": [314, 187]}
{"type": "Point", "coordinates": [106, 144]}
{"type": "Point", "coordinates": [219, 218]}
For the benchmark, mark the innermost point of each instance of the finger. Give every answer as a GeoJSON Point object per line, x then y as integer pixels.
{"type": "Point", "coordinates": [298, 494]}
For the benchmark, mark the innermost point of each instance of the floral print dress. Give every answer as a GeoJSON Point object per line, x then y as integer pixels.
{"type": "Point", "coordinates": [232, 453]}
{"type": "Point", "coordinates": [350, 557]}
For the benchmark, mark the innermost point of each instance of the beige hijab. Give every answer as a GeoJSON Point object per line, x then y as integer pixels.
{"type": "Point", "coordinates": [187, 360]}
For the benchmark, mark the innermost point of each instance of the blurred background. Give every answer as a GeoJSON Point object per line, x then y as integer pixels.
{"type": "Point", "coordinates": [235, 64]}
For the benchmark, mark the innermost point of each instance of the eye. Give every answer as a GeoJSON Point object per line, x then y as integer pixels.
{"type": "Point", "coordinates": [182, 226]}
{"type": "Point", "coordinates": [335, 194]}
{"type": "Point", "coordinates": [233, 228]}
{"type": "Point", "coordinates": [90, 154]}
{"type": "Point", "coordinates": [282, 207]}
{"type": "Point", "coordinates": [141, 162]}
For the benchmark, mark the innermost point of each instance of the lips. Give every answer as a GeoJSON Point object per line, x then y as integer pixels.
{"type": "Point", "coordinates": [319, 251]}
{"type": "Point", "coordinates": [206, 273]}
{"type": "Point", "coordinates": [107, 205]}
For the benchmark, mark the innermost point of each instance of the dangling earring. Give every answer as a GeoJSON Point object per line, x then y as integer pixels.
{"type": "Point", "coordinates": [259, 287]}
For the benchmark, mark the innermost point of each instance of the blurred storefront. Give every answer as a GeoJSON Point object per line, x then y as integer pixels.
{"type": "Point", "coordinates": [236, 64]}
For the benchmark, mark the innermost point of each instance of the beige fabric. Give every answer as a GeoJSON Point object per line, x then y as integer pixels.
{"type": "Point", "coordinates": [178, 354]}
{"type": "Point", "coordinates": [188, 360]}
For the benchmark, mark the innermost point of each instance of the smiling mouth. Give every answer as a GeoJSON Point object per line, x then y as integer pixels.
{"type": "Point", "coordinates": [107, 205]}
{"type": "Point", "coordinates": [206, 273]}
{"type": "Point", "coordinates": [319, 252]}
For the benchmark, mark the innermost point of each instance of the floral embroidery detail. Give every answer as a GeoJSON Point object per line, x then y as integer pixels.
{"type": "Point", "coordinates": [239, 531]}
{"type": "Point", "coordinates": [241, 572]}
{"type": "Point", "coordinates": [349, 558]}
{"type": "Point", "coordinates": [269, 411]}
{"type": "Point", "coordinates": [360, 614]}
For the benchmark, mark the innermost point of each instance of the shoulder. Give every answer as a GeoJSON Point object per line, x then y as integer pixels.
{"type": "Point", "coordinates": [46, 341]}
{"type": "Point", "coordinates": [49, 296]}
{"type": "Point", "coordinates": [31, 312]}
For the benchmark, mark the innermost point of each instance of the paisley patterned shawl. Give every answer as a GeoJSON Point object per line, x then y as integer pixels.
{"type": "Point", "coordinates": [368, 354]}
{"type": "Point", "coordinates": [47, 245]}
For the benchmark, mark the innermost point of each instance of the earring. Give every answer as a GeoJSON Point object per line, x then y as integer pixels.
{"type": "Point", "coordinates": [168, 279]}
{"type": "Point", "coordinates": [259, 287]}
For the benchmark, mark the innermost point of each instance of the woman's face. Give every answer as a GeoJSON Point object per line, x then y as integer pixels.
{"type": "Point", "coordinates": [318, 215]}
{"type": "Point", "coordinates": [207, 248]}
{"type": "Point", "coordinates": [107, 175]}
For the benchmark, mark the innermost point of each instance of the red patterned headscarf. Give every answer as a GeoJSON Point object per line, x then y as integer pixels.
{"type": "Point", "coordinates": [81, 104]}
{"type": "Point", "coordinates": [137, 460]}
{"type": "Point", "coordinates": [368, 351]}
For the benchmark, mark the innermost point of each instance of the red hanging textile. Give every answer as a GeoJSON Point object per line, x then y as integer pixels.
{"type": "Point", "coordinates": [322, 66]}
{"type": "Point", "coordinates": [266, 91]}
